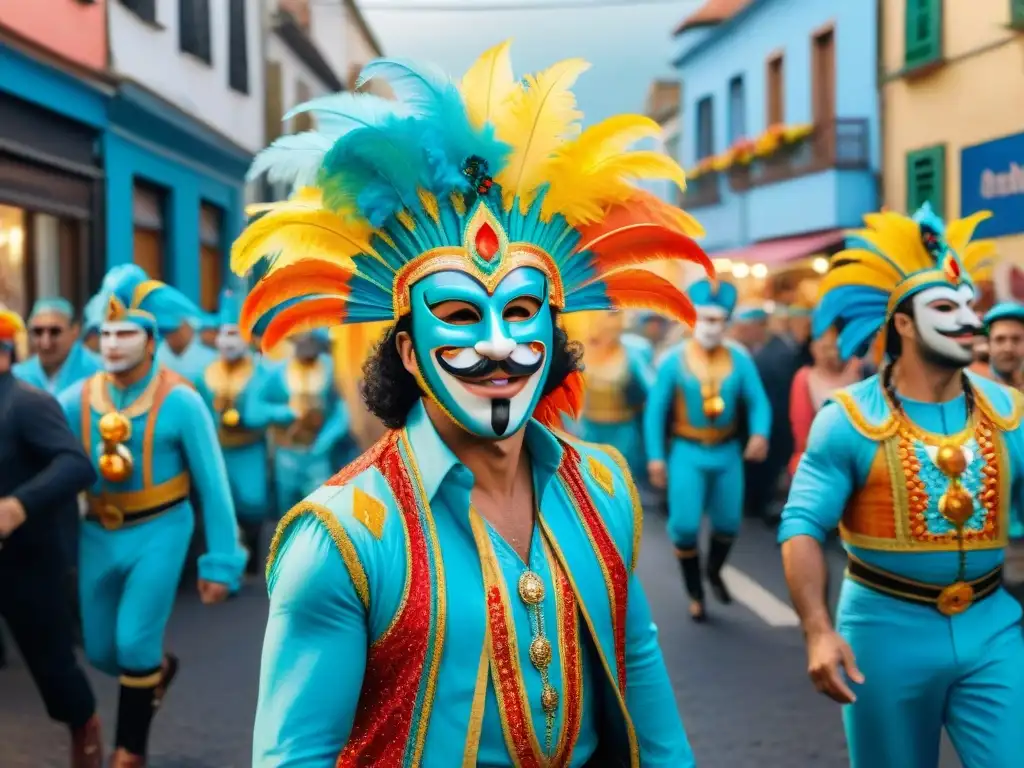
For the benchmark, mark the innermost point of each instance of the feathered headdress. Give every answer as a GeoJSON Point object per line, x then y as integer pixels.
{"type": "Point", "coordinates": [713, 293]}
{"type": "Point", "coordinates": [129, 294]}
{"type": "Point", "coordinates": [11, 327]}
{"type": "Point", "coordinates": [894, 257]}
{"type": "Point", "coordinates": [479, 177]}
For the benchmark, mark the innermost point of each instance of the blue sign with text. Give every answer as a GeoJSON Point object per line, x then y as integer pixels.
{"type": "Point", "coordinates": [992, 179]}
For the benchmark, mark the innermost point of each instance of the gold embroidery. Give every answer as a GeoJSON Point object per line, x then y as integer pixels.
{"type": "Point", "coordinates": [101, 402]}
{"type": "Point", "coordinates": [602, 475]}
{"type": "Point", "coordinates": [876, 432]}
{"type": "Point", "coordinates": [369, 511]}
{"type": "Point", "coordinates": [634, 498]}
{"type": "Point", "coordinates": [226, 383]}
{"type": "Point", "coordinates": [338, 534]}
{"type": "Point", "coordinates": [476, 712]}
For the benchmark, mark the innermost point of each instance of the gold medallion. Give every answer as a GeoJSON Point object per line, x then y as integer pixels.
{"type": "Point", "coordinates": [111, 517]}
{"type": "Point", "coordinates": [951, 459]}
{"type": "Point", "coordinates": [549, 699]}
{"type": "Point", "coordinates": [714, 407]}
{"type": "Point", "coordinates": [956, 505]}
{"type": "Point", "coordinates": [955, 599]}
{"type": "Point", "coordinates": [231, 418]}
{"type": "Point", "coordinates": [115, 427]}
{"type": "Point", "coordinates": [116, 466]}
{"type": "Point", "coordinates": [531, 588]}
{"type": "Point", "coordinates": [540, 652]}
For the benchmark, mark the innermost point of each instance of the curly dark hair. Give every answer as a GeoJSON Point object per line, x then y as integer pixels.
{"type": "Point", "coordinates": [390, 391]}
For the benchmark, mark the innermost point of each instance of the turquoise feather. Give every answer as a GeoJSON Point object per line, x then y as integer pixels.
{"type": "Point", "coordinates": [340, 113]}
{"type": "Point", "coordinates": [293, 159]}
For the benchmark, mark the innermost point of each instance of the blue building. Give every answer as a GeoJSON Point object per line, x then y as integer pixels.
{"type": "Point", "coordinates": [780, 125]}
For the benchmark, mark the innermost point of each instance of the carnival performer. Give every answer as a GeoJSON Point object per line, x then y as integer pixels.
{"type": "Point", "coordinates": [181, 349]}
{"type": "Point", "coordinates": [464, 592]}
{"type": "Point", "coordinates": [617, 378]}
{"type": "Point", "coordinates": [232, 388]}
{"type": "Point", "coordinates": [696, 398]}
{"type": "Point", "coordinates": [60, 358]}
{"type": "Point", "coordinates": [152, 438]}
{"type": "Point", "coordinates": [307, 419]}
{"type": "Point", "coordinates": [920, 467]}
{"type": "Point", "coordinates": [1004, 327]}
{"type": "Point", "coordinates": [92, 319]}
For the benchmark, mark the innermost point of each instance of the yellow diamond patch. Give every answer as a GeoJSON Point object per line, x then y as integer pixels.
{"type": "Point", "coordinates": [602, 475]}
{"type": "Point", "coordinates": [369, 511]}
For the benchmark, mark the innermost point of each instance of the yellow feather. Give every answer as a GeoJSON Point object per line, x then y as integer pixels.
{"type": "Point", "coordinates": [539, 115]}
{"type": "Point", "coordinates": [304, 197]}
{"type": "Point", "coordinates": [979, 259]}
{"type": "Point", "coordinates": [488, 84]}
{"type": "Point", "coordinates": [299, 232]}
{"type": "Point", "coordinates": [899, 238]}
{"type": "Point", "coordinates": [855, 274]}
{"type": "Point", "coordinates": [869, 260]}
{"type": "Point", "coordinates": [429, 203]}
{"type": "Point", "coordinates": [960, 231]}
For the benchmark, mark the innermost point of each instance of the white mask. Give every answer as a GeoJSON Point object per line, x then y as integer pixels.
{"type": "Point", "coordinates": [709, 330]}
{"type": "Point", "coordinates": [230, 343]}
{"type": "Point", "coordinates": [946, 324]}
{"type": "Point", "coordinates": [122, 346]}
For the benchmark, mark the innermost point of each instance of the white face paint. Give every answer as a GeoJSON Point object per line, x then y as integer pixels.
{"type": "Point", "coordinates": [709, 330]}
{"type": "Point", "coordinates": [230, 343]}
{"type": "Point", "coordinates": [946, 323]}
{"type": "Point", "coordinates": [122, 346]}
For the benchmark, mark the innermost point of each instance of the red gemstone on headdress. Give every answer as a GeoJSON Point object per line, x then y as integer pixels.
{"type": "Point", "coordinates": [486, 242]}
{"type": "Point", "coordinates": [952, 270]}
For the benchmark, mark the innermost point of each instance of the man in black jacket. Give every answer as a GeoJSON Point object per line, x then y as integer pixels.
{"type": "Point", "coordinates": [42, 471]}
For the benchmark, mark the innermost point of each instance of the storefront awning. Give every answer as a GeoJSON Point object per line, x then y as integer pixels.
{"type": "Point", "coordinates": [779, 251]}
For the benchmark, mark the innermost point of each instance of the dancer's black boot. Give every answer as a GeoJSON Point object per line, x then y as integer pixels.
{"type": "Point", "coordinates": [717, 555]}
{"type": "Point", "coordinates": [689, 563]}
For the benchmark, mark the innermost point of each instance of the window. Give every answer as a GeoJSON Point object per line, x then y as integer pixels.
{"type": "Point", "coordinates": [923, 33]}
{"type": "Point", "coordinates": [705, 128]}
{"type": "Point", "coordinates": [238, 52]}
{"type": "Point", "coordinates": [144, 9]}
{"type": "Point", "coordinates": [40, 256]}
{"type": "Point", "coordinates": [737, 110]}
{"type": "Point", "coordinates": [304, 120]}
{"type": "Point", "coordinates": [148, 218]}
{"type": "Point", "coordinates": [211, 256]}
{"type": "Point", "coordinates": [274, 102]}
{"type": "Point", "coordinates": [926, 179]}
{"type": "Point", "coordinates": [194, 28]}
{"type": "Point", "coordinates": [776, 108]}
{"type": "Point", "coordinates": [1017, 14]}
{"type": "Point", "coordinates": [13, 287]}
{"type": "Point", "coordinates": [823, 94]}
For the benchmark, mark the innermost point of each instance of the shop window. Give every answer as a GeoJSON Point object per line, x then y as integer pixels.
{"type": "Point", "coordinates": [13, 285]}
{"type": "Point", "coordinates": [304, 120]}
{"type": "Point", "coordinates": [776, 91]}
{"type": "Point", "coordinates": [737, 110]}
{"type": "Point", "coordinates": [211, 257]}
{"type": "Point", "coordinates": [40, 256]}
{"type": "Point", "coordinates": [705, 128]}
{"type": "Point", "coordinates": [144, 9]}
{"type": "Point", "coordinates": [238, 49]}
{"type": "Point", "coordinates": [194, 28]}
{"type": "Point", "coordinates": [926, 179]}
{"type": "Point", "coordinates": [923, 23]}
{"type": "Point", "coordinates": [150, 236]}
{"type": "Point", "coordinates": [1017, 14]}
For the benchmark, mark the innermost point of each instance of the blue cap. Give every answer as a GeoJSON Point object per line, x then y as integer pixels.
{"type": "Point", "coordinates": [705, 293]}
{"type": "Point", "coordinates": [751, 314]}
{"type": "Point", "coordinates": [129, 294]}
{"type": "Point", "coordinates": [55, 305]}
{"type": "Point", "coordinates": [1007, 310]}
{"type": "Point", "coordinates": [230, 307]}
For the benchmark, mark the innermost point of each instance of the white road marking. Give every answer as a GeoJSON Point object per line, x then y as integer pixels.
{"type": "Point", "coordinates": [759, 600]}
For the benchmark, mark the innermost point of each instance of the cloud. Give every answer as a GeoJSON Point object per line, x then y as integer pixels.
{"type": "Point", "coordinates": [628, 46]}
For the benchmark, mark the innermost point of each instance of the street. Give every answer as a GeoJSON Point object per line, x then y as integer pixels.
{"type": "Point", "coordinates": [740, 679]}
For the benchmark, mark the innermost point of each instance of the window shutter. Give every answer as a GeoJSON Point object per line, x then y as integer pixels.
{"type": "Point", "coordinates": [144, 9]}
{"type": "Point", "coordinates": [926, 179]}
{"type": "Point", "coordinates": [1017, 13]}
{"type": "Point", "coordinates": [194, 28]}
{"type": "Point", "coordinates": [238, 60]}
{"type": "Point", "coordinates": [923, 33]}
{"type": "Point", "coordinates": [274, 102]}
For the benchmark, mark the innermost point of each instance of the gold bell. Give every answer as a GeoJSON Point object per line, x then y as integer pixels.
{"type": "Point", "coordinates": [549, 699]}
{"type": "Point", "coordinates": [951, 459]}
{"type": "Point", "coordinates": [115, 427]}
{"type": "Point", "coordinates": [531, 588]}
{"type": "Point", "coordinates": [956, 505]}
{"type": "Point", "coordinates": [231, 418]}
{"type": "Point", "coordinates": [116, 466]}
{"type": "Point", "coordinates": [714, 407]}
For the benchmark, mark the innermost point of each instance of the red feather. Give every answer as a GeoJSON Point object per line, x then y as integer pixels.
{"type": "Point", "coordinates": [641, 208]}
{"type": "Point", "coordinates": [566, 398]}
{"type": "Point", "coordinates": [311, 276]}
{"type": "Point", "coordinates": [640, 289]}
{"type": "Point", "coordinates": [639, 243]}
{"type": "Point", "coordinates": [305, 316]}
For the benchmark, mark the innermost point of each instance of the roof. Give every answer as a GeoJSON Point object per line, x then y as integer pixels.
{"type": "Point", "coordinates": [711, 13]}
{"type": "Point", "coordinates": [287, 27]}
{"type": "Point", "coordinates": [357, 14]}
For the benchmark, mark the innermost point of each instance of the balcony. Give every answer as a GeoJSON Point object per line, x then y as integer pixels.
{"type": "Point", "coordinates": [841, 144]}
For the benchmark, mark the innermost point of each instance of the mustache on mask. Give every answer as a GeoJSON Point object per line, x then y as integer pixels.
{"type": "Point", "coordinates": [485, 366]}
{"type": "Point", "coordinates": [963, 330]}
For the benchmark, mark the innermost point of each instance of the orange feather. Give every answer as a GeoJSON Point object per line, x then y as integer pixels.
{"type": "Point", "coordinates": [643, 208]}
{"type": "Point", "coordinates": [566, 398]}
{"type": "Point", "coordinates": [640, 289]}
{"type": "Point", "coordinates": [309, 276]}
{"type": "Point", "coordinates": [305, 316]}
{"type": "Point", "coordinates": [639, 243]}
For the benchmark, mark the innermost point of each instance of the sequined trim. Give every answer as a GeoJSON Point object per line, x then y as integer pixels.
{"type": "Point", "coordinates": [877, 432]}
{"type": "Point", "coordinates": [338, 534]}
{"type": "Point", "coordinates": [569, 654]}
{"type": "Point", "coordinates": [634, 498]}
{"type": "Point", "coordinates": [364, 461]}
{"type": "Point", "coordinates": [476, 712]}
{"type": "Point", "coordinates": [1002, 423]}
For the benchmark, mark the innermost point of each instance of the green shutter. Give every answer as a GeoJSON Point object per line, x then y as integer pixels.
{"type": "Point", "coordinates": [1017, 13]}
{"type": "Point", "coordinates": [923, 33]}
{"type": "Point", "coordinates": [926, 179]}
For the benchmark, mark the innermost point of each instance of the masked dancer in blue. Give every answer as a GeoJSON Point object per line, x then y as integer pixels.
{"type": "Point", "coordinates": [232, 388]}
{"type": "Point", "coordinates": [921, 467]}
{"type": "Point", "coordinates": [152, 438]}
{"type": "Point", "coordinates": [696, 401]}
{"type": "Point", "coordinates": [464, 593]}
{"type": "Point", "coordinates": [181, 347]}
{"type": "Point", "coordinates": [60, 359]}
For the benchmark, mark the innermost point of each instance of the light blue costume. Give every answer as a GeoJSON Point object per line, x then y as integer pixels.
{"type": "Point", "coordinates": [232, 390]}
{"type": "Point", "coordinates": [196, 357]}
{"type": "Point", "coordinates": [403, 630]}
{"type": "Point", "coordinates": [79, 364]}
{"type": "Point", "coordinates": [694, 408]}
{"type": "Point", "coordinates": [923, 495]}
{"type": "Point", "coordinates": [153, 441]}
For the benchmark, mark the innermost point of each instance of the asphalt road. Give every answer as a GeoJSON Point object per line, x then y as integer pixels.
{"type": "Point", "coordinates": [740, 679]}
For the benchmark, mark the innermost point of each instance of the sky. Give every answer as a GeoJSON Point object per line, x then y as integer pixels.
{"type": "Point", "coordinates": [627, 46]}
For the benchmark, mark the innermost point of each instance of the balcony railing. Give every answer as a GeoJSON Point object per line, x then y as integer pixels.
{"type": "Point", "coordinates": [841, 144]}
{"type": "Point", "coordinates": [701, 192]}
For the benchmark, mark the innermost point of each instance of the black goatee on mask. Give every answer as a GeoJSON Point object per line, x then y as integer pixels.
{"type": "Point", "coordinates": [500, 414]}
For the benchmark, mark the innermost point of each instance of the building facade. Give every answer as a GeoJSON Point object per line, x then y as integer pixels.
{"type": "Point", "coordinates": [780, 116]}
{"type": "Point", "coordinates": [53, 113]}
{"type": "Point", "coordinates": [183, 126]}
{"type": "Point", "coordinates": [953, 117]}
